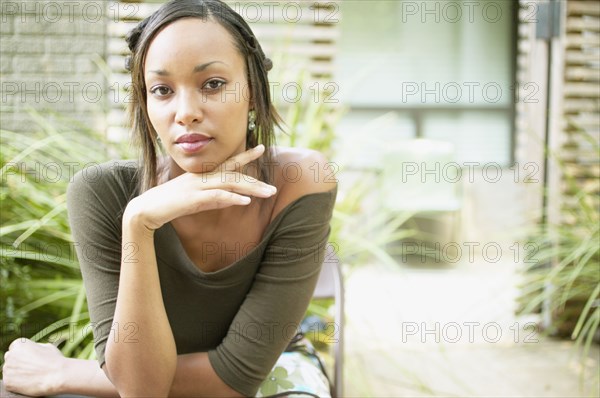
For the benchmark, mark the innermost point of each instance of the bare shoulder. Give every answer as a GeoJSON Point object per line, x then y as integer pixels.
{"type": "Point", "coordinates": [299, 172]}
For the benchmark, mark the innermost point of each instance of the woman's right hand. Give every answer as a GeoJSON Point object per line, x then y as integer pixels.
{"type": "Point", "coordinates": [32, 368]}
{"type": "Point", "coordinates": [192, 193]}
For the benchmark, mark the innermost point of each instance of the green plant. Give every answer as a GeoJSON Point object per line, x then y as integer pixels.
{"type": "Point", "coordinates": [42, 293]}
{"type": "Point", "coordinates": [357, 235]}
{"type": "Point", "coordinates": [565, 277]}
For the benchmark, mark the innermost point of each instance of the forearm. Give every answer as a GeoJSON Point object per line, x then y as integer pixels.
{"type": "Point", "coordinates": [194, 377]}
{"type": "Point", "coordinates": [145, 363]}
{"type": "Point", "coordinates": [85, 377]}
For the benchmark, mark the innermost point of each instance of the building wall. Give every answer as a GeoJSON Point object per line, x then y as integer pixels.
{"type": "Point", "coordinates": [50, 57]}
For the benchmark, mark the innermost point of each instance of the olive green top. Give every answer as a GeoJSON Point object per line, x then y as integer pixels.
{"type": "Point", "coordinates": [243, 315]}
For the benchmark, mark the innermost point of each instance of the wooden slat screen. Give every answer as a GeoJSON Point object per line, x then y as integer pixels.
{"type": "Point", "coordinates": [578, 115]}
{"type": "Point", "coordinates": [566, 69]}
{"type": "Point", "coordinates": [299, 36]}
{"type": "Point", "coordinates": [581, 103]}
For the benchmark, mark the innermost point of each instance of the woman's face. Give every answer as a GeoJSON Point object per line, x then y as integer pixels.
{"type": "Point", "coordinates": [197, 94]}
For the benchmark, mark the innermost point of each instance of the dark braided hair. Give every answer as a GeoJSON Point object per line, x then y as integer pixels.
{"type": "Point", "coordinates": [257, 67]}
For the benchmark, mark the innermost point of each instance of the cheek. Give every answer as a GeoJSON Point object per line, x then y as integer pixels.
{"type": "Point", "coordinates": [156, 114]}
{"type": "Point", "coordinates": [233, 115]}
{"type": "Point", "coordinates": [239, 123]}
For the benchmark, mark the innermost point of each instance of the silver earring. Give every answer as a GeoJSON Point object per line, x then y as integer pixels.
{"type": "Point", "coordinates": [251, 120]}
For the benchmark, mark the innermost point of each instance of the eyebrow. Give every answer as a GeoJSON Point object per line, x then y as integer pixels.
{"type": "Point", "coordinates": [197, 68]}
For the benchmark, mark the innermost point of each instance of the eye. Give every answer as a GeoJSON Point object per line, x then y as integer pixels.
{"type": "Point", "coordinates": [160, 91]}
{"type": "Point", "coordinates": [214, 84]}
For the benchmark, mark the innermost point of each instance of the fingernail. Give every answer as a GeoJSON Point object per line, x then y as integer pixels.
{"type": "Point", "coordinates": [259, 147]}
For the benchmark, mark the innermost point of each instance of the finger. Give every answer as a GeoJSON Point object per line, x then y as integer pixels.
{"type": "Point", "coordinates": [241, 159]}
{"type": "Point", "coordinates": [219, 198]}
{"type": "Point", "coordinates": [55, 344]}
{"type": "Point", "coordinates": [239, 183]}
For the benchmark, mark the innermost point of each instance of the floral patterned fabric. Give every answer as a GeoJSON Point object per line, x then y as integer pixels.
{"type": "Point", "coordinates": [297, 373]}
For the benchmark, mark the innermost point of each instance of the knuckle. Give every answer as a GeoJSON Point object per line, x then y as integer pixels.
{"type": "Point", "coordinates": [216, 195]}
{"type": "Point", "coordinates": [230, 178]}
{"type": "Point", "coordinates": [16, 343]}
{"type": "Point", "coordinates": [250, 179]}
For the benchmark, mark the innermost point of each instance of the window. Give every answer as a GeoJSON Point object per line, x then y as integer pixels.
{"type": "Point", "coordinates": [431, 69]}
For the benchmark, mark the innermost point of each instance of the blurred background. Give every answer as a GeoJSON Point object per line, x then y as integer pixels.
{"type": "Point", "coordinates": [464, 135]}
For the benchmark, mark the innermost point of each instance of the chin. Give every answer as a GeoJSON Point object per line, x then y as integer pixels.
{"type": "Point", "coordinates": [191, 164]}
{"type": "Point", "coordinates": [198, 166]}
{"type": "Point", "coordinates": [204, 161]}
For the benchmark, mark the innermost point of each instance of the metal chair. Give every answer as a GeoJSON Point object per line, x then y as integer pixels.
{"type": "Point", "coordinates": [330, 285]}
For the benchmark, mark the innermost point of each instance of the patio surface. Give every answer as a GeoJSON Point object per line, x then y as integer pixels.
{"type": "Point", "coordinates": [479, 349]}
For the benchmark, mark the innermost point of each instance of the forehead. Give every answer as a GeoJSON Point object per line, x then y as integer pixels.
{"type": "Point", "coordinates": [192, 39]}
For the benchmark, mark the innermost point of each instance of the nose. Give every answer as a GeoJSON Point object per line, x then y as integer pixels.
{"type": "Point", "coordinates": [189, 108]}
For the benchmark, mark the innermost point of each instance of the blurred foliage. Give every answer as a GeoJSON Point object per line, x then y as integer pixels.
{"type": "Point", "coordinates": [564, 279]}
{"type": "Point", "coordinates": [357, 235]}
{"type": "Point", "coordinates": [42, 294]}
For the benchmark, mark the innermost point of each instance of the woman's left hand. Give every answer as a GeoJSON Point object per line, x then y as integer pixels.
{"type": "Point", "coordinates": [32, 368]}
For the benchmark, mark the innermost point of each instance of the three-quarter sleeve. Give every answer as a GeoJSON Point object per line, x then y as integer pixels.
{"type": "Point", "coordinates": [277, 301]}
{"type": "Point", "coordinates": [96, 198]}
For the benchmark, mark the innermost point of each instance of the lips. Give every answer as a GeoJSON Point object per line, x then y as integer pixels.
{"type": "Point", "coordinates": [190, 143]}
{"type": "Point", "coordinates": [191, 138]}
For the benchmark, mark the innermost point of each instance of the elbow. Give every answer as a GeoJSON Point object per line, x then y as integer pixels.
{"type": "Point", "coordinates": [230, 392]}
{"type": "Point", "coordinates": [135, 381]}
{"type": "Point", "coordinates": [131, 387]}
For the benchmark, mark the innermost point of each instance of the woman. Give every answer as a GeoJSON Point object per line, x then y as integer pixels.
{"type": "Point", "coordinates": [199, 264]}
